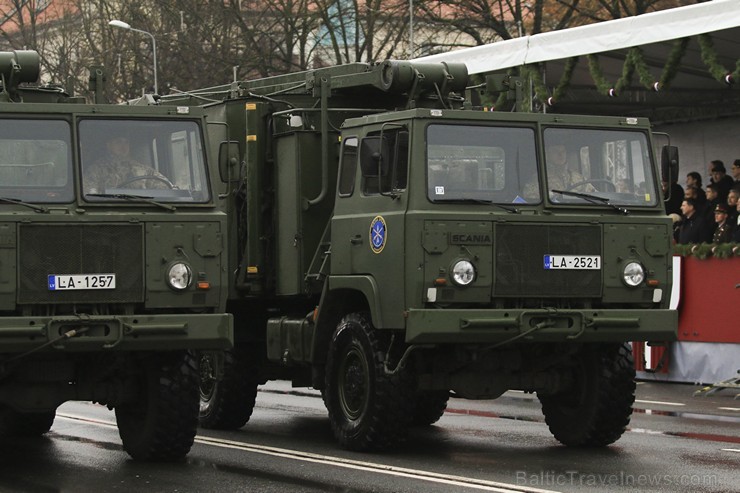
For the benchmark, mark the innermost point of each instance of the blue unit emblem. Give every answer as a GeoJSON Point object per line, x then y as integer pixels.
{"type": "Point", "coordinates": [378, 234]}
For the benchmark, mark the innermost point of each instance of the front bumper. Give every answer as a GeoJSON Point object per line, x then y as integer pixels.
{"type": "Point", "coordinates": [541, 325]}
{"type": "Point", "coordinates": [116, 333]}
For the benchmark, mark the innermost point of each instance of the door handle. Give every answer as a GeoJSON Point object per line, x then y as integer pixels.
{"type": "Point", "coordinates": [356, 240]}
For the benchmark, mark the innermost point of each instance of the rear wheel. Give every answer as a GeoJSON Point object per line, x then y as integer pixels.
{"type": "Point", "coordinates": [596, 410]}
{"type": "Point", "coordinates": [368, 408]}
{"type": "Point", "coordinates": [161, 425]}
{"type": "Point", "coordinates": [227, 404]}
{"type": "Point", "coordinates": [430, 406]}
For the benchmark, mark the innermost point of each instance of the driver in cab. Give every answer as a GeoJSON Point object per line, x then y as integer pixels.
{"type": "Point", "coordinates": [559, 174]}
{"type": "Point", "coordinates": [119, 170]}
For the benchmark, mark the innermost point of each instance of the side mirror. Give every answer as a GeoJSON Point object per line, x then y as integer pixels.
{"type": "Point", "coordinates": [669, 164]}
{"type": "Point", "coordinates": [374, 156]}
{"type": "Point", "coordinates": [228, 161]}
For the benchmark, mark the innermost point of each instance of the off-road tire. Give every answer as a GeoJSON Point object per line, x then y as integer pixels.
{"type": "Point", "coordinates": [368, 409]}
{"type": "Point", "coordinates": [161, 424]}
{"type": "Point", "coordinates": [17, 424]}
{"type": "Point", "coordinates": [228, 403]}
{"type": "Point", "coordinates": [596, 412]}
{"type": "Point", "coordinates": [430, 405]}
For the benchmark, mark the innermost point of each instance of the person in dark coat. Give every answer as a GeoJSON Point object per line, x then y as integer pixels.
{"type": "Point", "coordinates": [709, 207]}
{"type": "Point", "coordinates": [673, 202]}
{"type": "Point", "coordinates": [693, 227]}
{"type": "Point", "coordinates": [723, 181]}
{"type": "Point", "coordinates": [736, 171]}
{"type": "Point", "coordinates": [693, 179]}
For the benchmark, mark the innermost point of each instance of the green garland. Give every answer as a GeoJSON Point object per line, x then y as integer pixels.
{"type": "Point", "coordinates": [670, 70]}
{"type": "Point", "coordinates": [635, 61]}
{"type": "Point", "coordinates": [602, 84]}
{"type": "Point", "coordinates": [703, 251]}
{"type": "Point", "coordinates": [570, 66]}
{"type": "Point", "coordinates": [711, 60]}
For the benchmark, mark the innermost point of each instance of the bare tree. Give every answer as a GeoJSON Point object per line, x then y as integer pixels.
{"type": "Point", "coordinates": [352, 31]}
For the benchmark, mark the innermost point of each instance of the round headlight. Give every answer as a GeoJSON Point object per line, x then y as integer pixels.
{"type": "Point", "coordinates": [179, 276]}
{"type": "Point", "coordinates": [633, 274]}
{"type": "Point", "coordinates": [463, 272]}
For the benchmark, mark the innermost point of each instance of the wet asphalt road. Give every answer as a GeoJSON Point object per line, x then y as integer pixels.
{"type": "Point", "coordinates": [676, 443]}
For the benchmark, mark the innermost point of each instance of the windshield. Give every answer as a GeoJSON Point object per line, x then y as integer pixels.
{"type": "Point", "coordinates": [481, 163]}
{"type": "Point", "coordinates": [154, 159]}
{"type": "Point", "coordinates": [609, 164]}
{"type": "Point", "coordinates": [35, 161]}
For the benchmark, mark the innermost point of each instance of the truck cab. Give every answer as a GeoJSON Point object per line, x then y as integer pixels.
{"type": "Point", "coordinates": [111, 262]}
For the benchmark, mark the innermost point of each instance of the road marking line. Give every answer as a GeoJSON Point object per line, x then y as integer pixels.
{"type": "Point", "coordinates": [478, 484]}
{"type": "Point", "coordinates": [661, 402]}
{"type": "Point", "coordinates": [729, 408]}
{"type": "Point", "coordinates": [87, 419]}
{"type": "Point", "coordinates": [731, 450]}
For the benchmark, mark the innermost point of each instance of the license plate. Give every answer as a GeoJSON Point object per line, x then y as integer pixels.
{"type": "Point", "coordinates": [62, 282]}
{"type": "Point", "coordinates": [573, 262]}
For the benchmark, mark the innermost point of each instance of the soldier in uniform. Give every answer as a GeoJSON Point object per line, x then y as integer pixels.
{"type": "Point", "coordinates": [119, 170]}
{"type": "Point", "coordinates": [723, 231]}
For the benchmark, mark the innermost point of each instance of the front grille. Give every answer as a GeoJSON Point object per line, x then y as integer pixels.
{"type": "Point", "coordinates": [46, 249]}
{"type": "Point", "coordinates": [519, 263]}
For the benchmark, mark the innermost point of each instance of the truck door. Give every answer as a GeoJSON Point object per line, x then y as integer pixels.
{"type": "Point", "coordinates": [369, 221]}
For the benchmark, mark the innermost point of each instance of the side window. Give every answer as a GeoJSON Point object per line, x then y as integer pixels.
{"type": "Point", "coordinates": [391, 173]}
{"type": "Point", "coordinates": [348, 167]}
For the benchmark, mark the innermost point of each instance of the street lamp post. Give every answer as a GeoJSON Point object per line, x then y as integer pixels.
{"type": "Point", "coordinates": [125, 25]}
{"type": "Point", "coordinates": [411, 29]}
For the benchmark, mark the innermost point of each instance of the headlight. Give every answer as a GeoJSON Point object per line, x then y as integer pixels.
{"type": "Point", "coordinates": [463, 272]}
{"type": "Point", "coordinates": [179, 276]}
{"type": "Point", "coordinates": [633, 274]}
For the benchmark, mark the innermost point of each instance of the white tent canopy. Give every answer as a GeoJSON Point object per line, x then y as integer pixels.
{"type": "Point", "coordinates": [654, 27]}
{"type": "Point", "coordinates": [693, 92]}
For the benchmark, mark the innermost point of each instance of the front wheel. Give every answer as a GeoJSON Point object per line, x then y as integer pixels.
{"type": "Point", "coordinates": [595, 412]}
{"type": "Point", "coordinates": [20, 424]}
{"type": "Point", "coordinates": [368, 408]}
{"type": "Point", "coordinates": [161, 424]}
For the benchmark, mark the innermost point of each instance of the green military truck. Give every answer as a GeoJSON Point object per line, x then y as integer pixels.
{"type": "Point", "coordinates": [110, 280]}
{"type": "Point", "coordinates": [391, 244]}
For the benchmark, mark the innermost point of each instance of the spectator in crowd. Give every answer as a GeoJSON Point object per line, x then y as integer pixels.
{"type": "Point", "coordinates": [736, 171]}
{"type": "Point", "coordinates": [736, 229]}
{"type": "Point", "coordinates": [711, 205]}
{"type": "Point", "coordinates": [723, 230]}
{"type": "Point", "coordinates": [724, 182]}
{"type": "Point", "coordinates": [732, 199]}
{"type": "Point", "coordinates": [696, 193]}
{"type": "Point", "coordinates": [693, 226]}
{"type": "Point", "coordinates": [676, 218]}
{"type": "Point", "coordinates": [674, 197]}
{"type": "Point", "coordinates": [693, 179]}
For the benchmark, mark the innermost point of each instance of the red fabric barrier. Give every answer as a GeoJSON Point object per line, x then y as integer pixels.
{"type": "Point", "coordinates": [656, 359]}
{"type": "Point", "coordinates": [709, 305]}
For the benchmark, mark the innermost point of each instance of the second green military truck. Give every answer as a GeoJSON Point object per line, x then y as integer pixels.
{"type": "Point", "coordinates": [392, 244]}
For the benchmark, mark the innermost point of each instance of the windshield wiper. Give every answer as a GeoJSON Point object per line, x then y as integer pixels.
{"type": "Point", "coordinates": [37, 208]}
{"type": "Point", "coordinates": [132, 198]}
{"type": "Point", "coordinates": [512, 210]}
{"type": "Point", "coordinates": [594, 199]}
